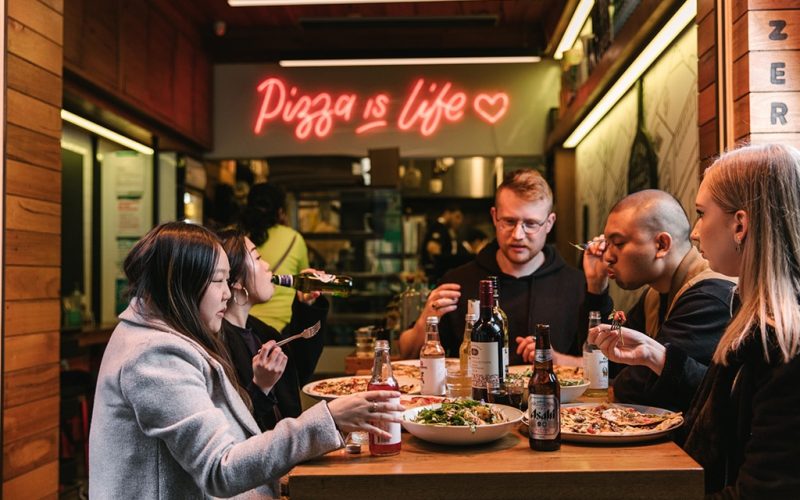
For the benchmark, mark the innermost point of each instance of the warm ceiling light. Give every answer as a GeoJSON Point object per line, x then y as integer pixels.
{"type": "Point", "coordinates": [574, 27]}
{"type": "Point", "coordinates": [636, 69]}
{"type": "Point", "coordinates": [104, 132]}
{"type": "Point", "coordinates": [305, 63]}
{"type": "Point", "coordinates": [272, 3]}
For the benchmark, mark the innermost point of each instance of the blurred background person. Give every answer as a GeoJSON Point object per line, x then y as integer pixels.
{"type": "Point", "coordinates": [275, 395]}
{"type": "Point", "coordinates": [440, 245]}
{"type": "Point", "coordinates": [283, 248]}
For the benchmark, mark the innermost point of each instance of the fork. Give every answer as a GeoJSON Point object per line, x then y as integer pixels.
{"type": "Point", "coordinates": [306, 334]}
{"type": "Point", "coordinates": [616, 325]}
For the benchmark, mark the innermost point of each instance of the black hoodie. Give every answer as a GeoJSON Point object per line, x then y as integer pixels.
{"type": "Point", "coordinates": [553, 294]}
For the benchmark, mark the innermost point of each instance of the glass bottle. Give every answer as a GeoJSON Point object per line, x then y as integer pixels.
{"type": "Point", "coordinates": [544, 432]}
{"type": "Point", "coordinates": [473, 307]}
{"type": "Point", "coordinates": [501, 317]}
{"type": "Point", "coordinates": [431, 360]}
{"type": "Point", "coordinates": [486, 345]}
{"type": "Point", "coordinates": [410, 304]}
{"type": "Point", "coordinates": [595, 363]}
{"type": "Point", "coordinates": [339, 286]}
{"type": "Point", "coordinates": [383, 380]}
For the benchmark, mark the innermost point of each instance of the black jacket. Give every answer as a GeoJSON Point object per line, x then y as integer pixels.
{"type": "Point", "coordinates": [694, 326]}
{"type": "Point", "coordinates": [303, 355]}
{"type": "Point", "coordinates": [552, 294]}
{"type": "Point", "coordinates": [743, 426]}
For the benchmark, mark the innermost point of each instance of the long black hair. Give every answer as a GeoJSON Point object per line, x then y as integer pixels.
{"type": "Point", "coordinates": [264, 204]}
{"type": "Point", "coordinates": [234, 245]}
{"type": "Point", "coordinates": [169, 270]}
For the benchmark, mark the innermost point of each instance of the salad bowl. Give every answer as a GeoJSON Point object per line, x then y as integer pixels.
{"type": "Point", "coordinates": [461, 434]}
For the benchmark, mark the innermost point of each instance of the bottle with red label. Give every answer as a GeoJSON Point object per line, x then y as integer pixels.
{"type": "Point", "coordinates": [383, 380]}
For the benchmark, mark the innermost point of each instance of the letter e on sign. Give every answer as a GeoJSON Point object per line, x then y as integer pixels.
{"type": "Point", "coordinates": [777, 73]}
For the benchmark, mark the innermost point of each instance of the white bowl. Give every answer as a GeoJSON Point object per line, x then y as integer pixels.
{"type": "Point", "coordinates": [570, 393]}
{"type": "Point", "coordinates": [461, 434]}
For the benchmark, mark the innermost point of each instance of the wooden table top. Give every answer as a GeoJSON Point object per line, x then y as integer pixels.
{"type": "Point", "coordinates": [506, 468]}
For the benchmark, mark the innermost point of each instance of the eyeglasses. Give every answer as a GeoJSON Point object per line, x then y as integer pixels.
{"type": "Point", "coordinates": [528, 226]}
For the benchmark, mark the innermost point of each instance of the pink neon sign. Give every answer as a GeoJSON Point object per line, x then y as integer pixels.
{"type": "Point", "coordinates": [428, 106]}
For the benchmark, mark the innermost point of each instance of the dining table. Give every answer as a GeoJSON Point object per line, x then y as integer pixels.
{"type": "Point", "coordinates": [504, 469]}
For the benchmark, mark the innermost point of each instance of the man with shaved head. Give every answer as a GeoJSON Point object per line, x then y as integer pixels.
{"type": "Point", "coordinates": [646, 243]}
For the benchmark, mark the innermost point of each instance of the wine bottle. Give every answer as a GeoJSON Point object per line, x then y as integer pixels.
{"type": "Point", "coordinates": [383, 380]}
{"type": "Point", "coordinates": [473, 307]}
{"type": "Point", "coordinates": [544, 431]}
{"type": "Point", "coordinates": [595, 363]}
{"type": "Point", "coordinates": [486, 345]}
{"type": "Point", "coordinates": [339, 286]}
{"type": "Point", "coordinates": [501, 317]}
{"type": "Point", "coordinates": [431, 360]}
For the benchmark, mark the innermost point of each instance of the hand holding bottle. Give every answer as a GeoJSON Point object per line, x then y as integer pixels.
{"type": "Point", "coordinates": [635, 348]}
{"type": "Point", "coordinates": [268, 366]}
{"type": "Point", "coordinates": [359, 411]}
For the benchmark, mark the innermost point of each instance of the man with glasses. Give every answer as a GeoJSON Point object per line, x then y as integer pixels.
{"type": "Point", "coordinates": [536, 285]}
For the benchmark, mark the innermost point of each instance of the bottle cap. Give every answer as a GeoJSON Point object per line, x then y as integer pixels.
{"type": "Point", "coordinates": [381, 345]}
{"type": "Point", "coordinates": [432, 320]}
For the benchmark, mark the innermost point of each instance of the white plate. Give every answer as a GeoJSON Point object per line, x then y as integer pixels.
{"type": "Point", "coordinates": [461, 434]}
{"type": "Point", "coordinates": [638, 437]}
{"type": "Point", "coordinates": [309, 387]}
{"type": "Point", "coordinates": [569, 393]}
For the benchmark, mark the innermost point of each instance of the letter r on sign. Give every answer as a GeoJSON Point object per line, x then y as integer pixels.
{"type": "Point", "coordinates": [778, 113]}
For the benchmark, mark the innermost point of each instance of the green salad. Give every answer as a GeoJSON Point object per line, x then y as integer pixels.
{"type": "Point", "coordinates": [460, 412]}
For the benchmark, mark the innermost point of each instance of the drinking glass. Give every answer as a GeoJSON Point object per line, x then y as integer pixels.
{"type": "Point", "coordinates": [508, 392]}
{"type": "Point", "coordinates": [457, 383]}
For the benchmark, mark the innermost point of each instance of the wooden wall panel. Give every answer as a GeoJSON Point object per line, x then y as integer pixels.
{"type": "Point", "coordinates": [29, 248]}
{"type": "Point", "coordinates": [707, 69]}
{"type": "Point", "coordinates": [33, 316]}
{"type": "Point", "coordinates": [24, 179]}
{"type": "Point", "coordinates": [28, 351]}
{"type": "Point", "coordinates": [132, 56]}
{"type": "Point", "coordinates": [26, 283]}
{"type": "Point", "coordinates": [33, 47]}
{"type": "Point", "coordinates": [183, 71]}
{"type": "Point", "coordinates": [32, 147]}
{"type": "Point", "coordinates": [26, 455]}
{"type": "Point", "coordinates": [707, 104]}
{"type": "Point", "coordinates": [38, 17]}
{"type": "Point", "coordinates": [33, 80]}
{"type": "Point", "coordinates": [39, 483]}
{"type": "Point", "coordinates": [769, 71]}
{"type": "Point", "coordinates": [33, 215]}
{"type": "Point", "coordinates": [31, 384]}
{"type": "Point", "coordinates": [33, 114]}
{"type": "Point", "coordinates": [705, 33]}
{"type": "Point", "coordinates": [774, 112]}
{"type": "Point", "coordinates": [56, 5]}
{"type": "Point", "coordinates": [29, 419]}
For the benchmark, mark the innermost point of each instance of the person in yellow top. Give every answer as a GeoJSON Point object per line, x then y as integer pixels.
{"type": "Point", "coordinates": [279, 245]}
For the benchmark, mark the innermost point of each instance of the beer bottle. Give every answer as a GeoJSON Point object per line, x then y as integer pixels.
{"type": "Point", "coordinates": [500, 317]}
{"type": "Point", "coordinates": [486, 345]}
{"type": "Point", "coordinates": [544, 432]}
{"type": "Point", "coordinates": [431, 360]}
{"type": "Point", "coordinates": [595, 363]}
{"type": "Point", "coordinates": [338, 286]}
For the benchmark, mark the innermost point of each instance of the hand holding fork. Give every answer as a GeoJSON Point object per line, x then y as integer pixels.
{"type": "Point", "coordinates": [306, 334]}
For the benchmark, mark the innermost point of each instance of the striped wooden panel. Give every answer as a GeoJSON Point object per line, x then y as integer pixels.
{"type": "Point", "coordinates": [33, 215]}
{"type": "Point", "coordinates": [706, 33]}
{"type": "Point", "coordinates": [25, 248]}
{"type": "Point", "coordinates": [32, 316]}
{"type": "Point", "coordinates": [707, 105]}
{"type": "Point", "coordinates": [773, 112]}
{"type": "Point", "coordinates": [56, 5]}
{"type": "Point", "coordinates": [33, 114]}
{"type": "Point", "coordinates": [39, 483]}
{"type": "Point", "coordinates": [27, 420]}
{"type": "Point", "coordinates": [709, 140]}
{"type": "Point", "coordinates": [33, 80]}
{"type": "Point", "coordinates": [767, 71]}
{"type": "Point", "coordinates": [31, 181]}
{"type": "Point", "coordinates": [28, 351]}
{"type": "Point", "coordinates": [757, 30]}
{"type": "Point", "coordinates": [26, 283]}
{"type": "Point", "coordinates": [31, 384]}
{"type": "Point", "coordinates": [706, 69]}
{"type": "Point", "coordinates": [39, 18]}
{"type": "Point", "coordinates": [32, 147]}
{"type": "Point", "coordinates": [34, 47]}
{"type": "Point", "coordinates": [740, 7]}
{"type": "Point", "coordinates": [26, 455]}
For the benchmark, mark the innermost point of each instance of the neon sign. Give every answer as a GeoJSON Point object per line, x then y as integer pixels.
{"type": "Point", "coordinates": [426, 109]}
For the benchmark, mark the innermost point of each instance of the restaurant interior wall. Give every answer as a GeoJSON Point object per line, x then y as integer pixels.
{"type": "Point", "coordinates": [670, 112]}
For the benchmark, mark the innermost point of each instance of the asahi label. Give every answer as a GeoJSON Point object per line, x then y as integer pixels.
{"type": "Point", "coordinates": [484, 363]}
{"type": "Point", "coordinates": [545, 419]}
{"type": "Point", "coordinates": [394, 428]}
{"type": "Point", "coordinates": [543, 355]}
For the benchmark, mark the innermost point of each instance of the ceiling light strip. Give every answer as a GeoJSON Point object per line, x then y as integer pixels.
{"type": "Point", "coordinates": [574, 27]}
{"type": "Point", "coordinates": [104, 132]}
{"type": "Point", "coordinates": [319, 63]}
{"type": "Point", "coordinates": [636, 69]}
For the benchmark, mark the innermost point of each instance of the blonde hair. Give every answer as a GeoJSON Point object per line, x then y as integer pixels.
{"type": "Point", "coordinates": [764, 182]}
{"type": "Point", "coordinates": [528, 184]}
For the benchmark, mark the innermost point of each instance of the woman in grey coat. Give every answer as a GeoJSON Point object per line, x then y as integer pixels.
{"type": "Point", "coordinates": [168, 422]}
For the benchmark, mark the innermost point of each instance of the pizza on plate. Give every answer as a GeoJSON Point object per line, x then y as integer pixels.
{"type": "Point", "coordinates": [414, 401]}
{"type": "Point", "coordinates": [406, 370]}
{"type": "Point", "coordinates": [351, 385]}
{"type": "Point", "coordinates": [613, 419]}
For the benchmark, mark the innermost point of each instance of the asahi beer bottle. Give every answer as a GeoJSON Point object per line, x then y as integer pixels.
{"type": "Point", "coordinates": [338, 286]}
{"type": "Point", "coordinates": [383, 380]}
{"type": "Point", "coordinates": [486, 345]}
{"type": "Point", "coordinates": [431, 360]}
{"type": "Point", "coordinates": [595, 363]}
{"type": "Point", "coordinates": [544, 433]}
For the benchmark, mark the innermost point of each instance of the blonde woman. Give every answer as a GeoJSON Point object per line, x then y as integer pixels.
{"type": "Point", "coordinates": [743, 426]}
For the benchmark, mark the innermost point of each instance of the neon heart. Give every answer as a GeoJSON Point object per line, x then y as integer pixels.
{"type": "Point", "coordinates": [491, 108]}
